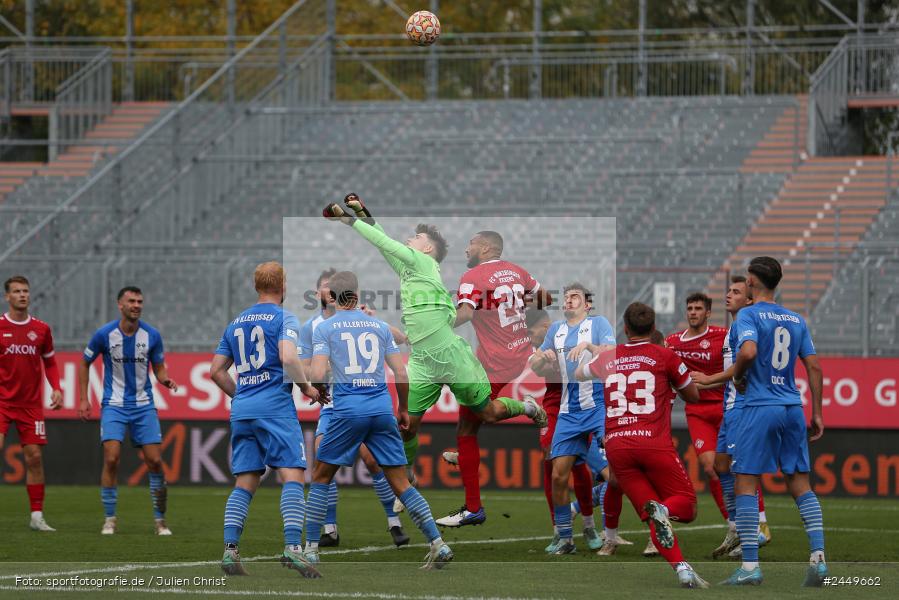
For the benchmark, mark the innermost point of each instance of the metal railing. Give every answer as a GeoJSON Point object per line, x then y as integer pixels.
{"type": "Point", "coordinates": [81, 102]}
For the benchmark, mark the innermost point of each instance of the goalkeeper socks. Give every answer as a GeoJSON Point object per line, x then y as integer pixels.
{"type": "Point", "coordinates": [583, 488]}
{"type": "Point", "coordinates": [35, 496]}
{"type": "Point", "coordinates": [293, 512]}
{"type": "Point", "coordinates": [563, 522]}
{"type": "Point", "coordinates": [727, 492]}
{"type": "Point", "coordinates": [810, 511]}
{"type": "Point", "coordinates": [469, 468]}
{"type": "Point", "coordinates": [748, 528]}
{"type": "Point", "coordinates": [316, 508]}
{"type": "Point", "coordinates": [110, 497]}
{"type": "Point", "coordinates": [410, 447]}
{"type": "Point", "coordinates": [331, 516]}
{"type": "Point", "coordinates": [715, 487]}
{"type": "Point", "coordinates": [384, 492]}
{"type": "Point", "coordinates": [236, 510]}
{"type": "Point", "coordinates": [157, 492]}
{"type": "Point", "coordinates": [514, 407]}
{"type": "Point", "coordinates": [420, 513]}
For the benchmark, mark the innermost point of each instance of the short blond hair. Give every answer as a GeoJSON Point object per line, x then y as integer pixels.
{"type": "Point", "coordinates": [269, 278]}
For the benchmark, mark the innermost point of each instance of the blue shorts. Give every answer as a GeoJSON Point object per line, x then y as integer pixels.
{"type": "Point", "coordinates": [727, 442]}
{"type": "Point", "coordinates": [572, 437]}
{"type": "Point", "coordinates": [324, 419]}
{"type": "Point", "coordinates": [379, 433]}
{"type": "Point", "coordinates": [596, 457]}
{"type": "Point", "coordinates": [768, 437]}
{"type": "Point", "coordinates": [141, 423]}
{"type": "Point", "coordinates": [273, 442]}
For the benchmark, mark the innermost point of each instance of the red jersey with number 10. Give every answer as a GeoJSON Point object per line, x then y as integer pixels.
{"type": "Point", "coordinates": [703, 353]}
{"type": "Point", "coordinates": [496, 289]}
{"type": "Point", "coordinates": [638, 379]}
{"type": "Point", "coordinates": [23, 347]}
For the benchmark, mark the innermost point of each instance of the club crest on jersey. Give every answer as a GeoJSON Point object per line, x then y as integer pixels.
{"type": "Point", "coordinates": [704, 344]}
{"type": "Point", "coordinates": [31, 335]}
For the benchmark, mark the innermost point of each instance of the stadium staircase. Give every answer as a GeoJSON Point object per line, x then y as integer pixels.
{"type": "Point", "coordinates": [125, 122]}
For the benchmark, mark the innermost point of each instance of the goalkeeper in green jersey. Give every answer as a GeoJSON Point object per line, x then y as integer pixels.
{"type": "Point", "coordinates": [439, 357]}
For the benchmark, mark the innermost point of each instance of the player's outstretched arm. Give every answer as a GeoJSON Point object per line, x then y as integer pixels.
{"type": "Point", "coordinates": [815, 386]}
{"type": "Point", "coordinates": [218, 373]}
{"type": "Point", "coordinates": [355, 204]}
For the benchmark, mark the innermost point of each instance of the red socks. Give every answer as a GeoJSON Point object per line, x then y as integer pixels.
{"type": "Point", "coordinates": [469, 467]}
{"type": "Point", "coordinates": [761, 500]}
{"type": "Point", "coordinates": [36, 496]}
{"type": "Point", "coordinates": [583, 488]}
{"type": "Point", "coordinates": [548, 487]}
{"type": "Point", "coordinates": [718, 495]}
{"type": "Point", "coordinates": [612, 506]}
{"type": "Point", "coordinates": [672, 555]}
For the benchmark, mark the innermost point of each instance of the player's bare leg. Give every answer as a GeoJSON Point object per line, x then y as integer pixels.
{"type": "Point", "coordinates": [385, 496]}
{"type": "Point", "coordinates": [34, 484]}
{"type": "Point", "coordinates": [158, 490]}
{"type": "Point", "coordinates": [112, 450]}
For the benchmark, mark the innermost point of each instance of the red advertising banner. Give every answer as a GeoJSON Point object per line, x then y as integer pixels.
{"type": "Point", "coordinates": [858, 392]}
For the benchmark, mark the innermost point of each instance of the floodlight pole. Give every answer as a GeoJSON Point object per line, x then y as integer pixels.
{"type": "Point", "coordinates": [641, 50]}
{"type": "Point", "coordinates": [536, 69]}
{"type": "Point", "coordinates": [433, 65]}
{"type": "Point", "coordinates": [749, 73]}
{"type": "Point", "coordinates": [231, 35]}
{"type": "Point", "coordinates": [128, 91]}
{"type": "Point", "coordinates": [28, 92]}
{"type": "Point", "coordinates": [861, 83]}
{"type": "Point", "coordinates": [330, 68]}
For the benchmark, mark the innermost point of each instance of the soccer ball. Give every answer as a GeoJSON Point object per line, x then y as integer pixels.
{"type": "Point", "coordinates": [423, 28]}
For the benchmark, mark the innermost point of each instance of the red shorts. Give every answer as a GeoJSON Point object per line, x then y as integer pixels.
{"type": "Point", "coordinates": [546, 434]}
{"type": "Point", "coordinates": [29, 423]}
{"type": "Point", "coordinates": [645, 474]}
{"type": "Point", "coordinates": [703, 421]}
{"type": "Point", "coordinates": [495, 388]}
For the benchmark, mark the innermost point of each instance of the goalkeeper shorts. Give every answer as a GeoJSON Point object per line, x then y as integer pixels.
{"type": "Point", "coordinates": [454, 365]}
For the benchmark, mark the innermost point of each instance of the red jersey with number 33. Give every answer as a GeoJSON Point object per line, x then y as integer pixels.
{"type": "Point", "coordinates": [638, 379]}
{"type": "Point", "coordinates": [23, 346]}
{"type": "Point", "coordinates": [703, 353]}
{"type": "Point", "coordinates": [496, 290]}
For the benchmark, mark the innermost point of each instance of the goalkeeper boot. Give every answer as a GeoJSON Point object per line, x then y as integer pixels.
{"type": "Point", "coordinates": [463, 517]}
{"type": "Point", "coordinates": [231, 564]}
{"type": "Point", "coordinates": [743, 577]}
{"type": "Point", "coordinates": [659, 517]}
{"type": "Point", "coordinates": [293, 558]}
{"type": "Point", "coordinates": [438, 556]}
{"type": "Point", "coordinates": [451, 458]}
{"type": "Point", "coordinates": [537, 414]}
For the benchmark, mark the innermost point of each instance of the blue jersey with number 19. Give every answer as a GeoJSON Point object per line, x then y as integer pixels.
{"type": "Point", "coordinates": [251, 341]}
{"type": "Point", "coordinates": [781, 336]}
{"type": "Point", "coordinates": [356, 345]}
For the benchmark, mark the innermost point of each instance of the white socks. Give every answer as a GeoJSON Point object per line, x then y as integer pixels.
{"type": "Point", "coordinates": [589, 522]}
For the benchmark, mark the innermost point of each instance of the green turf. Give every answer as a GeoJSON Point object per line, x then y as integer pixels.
{"type": "Point", "coordinates": [503, 558]}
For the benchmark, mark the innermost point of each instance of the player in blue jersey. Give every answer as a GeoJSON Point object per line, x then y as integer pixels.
{"type": "Point", "coordinates": [385, 495]}
{"type": "Point", "coordinates": [771, 432]}
{"type": "Point", "coordinates": [129, 347]}
{"type": "Point", "coordinates": [356, 346]}
{"type": "Point", "coordinates": [262, 345]}
{"type": "Point", "coordinates": [582, 413]}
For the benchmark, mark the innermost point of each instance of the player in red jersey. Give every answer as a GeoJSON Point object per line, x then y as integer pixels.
{"type": "Point", "coordinates": [492, 296]}
{"type": "Point", "coordinates": [26, 343]}
{"type": "Point", "coordinates": [538, 322]}
{"type": "Point", "coordinates": [700, 347]}
{"type": "Point", "coordinates": [638, 444]}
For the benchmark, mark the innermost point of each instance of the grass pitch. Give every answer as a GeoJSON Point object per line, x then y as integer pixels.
{"type": "Point", "coordinates": [502, 559]}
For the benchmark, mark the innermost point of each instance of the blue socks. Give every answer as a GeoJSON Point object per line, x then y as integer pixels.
{"type": "Point", "coordinates": [563, 521]}
{"type": "Point", "coordinates": [316, 509]}
{"type": "Point", "coordinates": [420, 513]}
{"type": "Point", "coordinates": [810, 511]}
{"type": "Point", "coordinates": [384, 492]}
{"type": "Point", "coordinates": [748, 526]}
{"type": "Point", "coordinates": [236, 513]}
{"type": "Point", "coordinates": [331, 516]}
{"type": "Point", "coordinates": [110, 496]}
{"type": "Point", "coordinates": [727, 490]}
{"type": "Point", "coordinates": [293, 512]}
{"type": "Point", "coordinates": [157, 482]}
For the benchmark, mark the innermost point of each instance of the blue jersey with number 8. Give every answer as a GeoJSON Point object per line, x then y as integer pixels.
{"type": "Point", "coordinates": [781, 336]}
{"type": "Point", "coordinates": [356, 345]}
{"type": "Point", "coordinates": [251, 341]}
